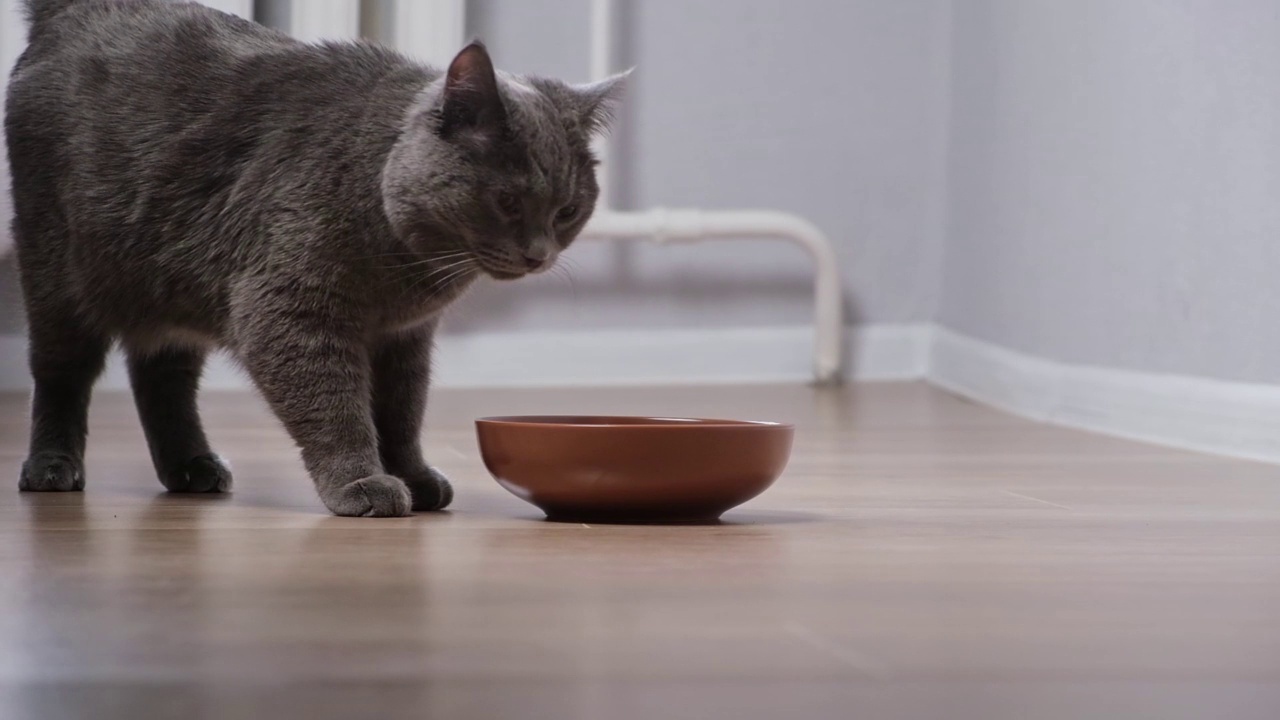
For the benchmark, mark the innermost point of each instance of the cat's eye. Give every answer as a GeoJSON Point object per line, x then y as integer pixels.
{"type": "Point", "coordinates": [509, 203]}
{"type": "Point", "coordinates": [567, 213]}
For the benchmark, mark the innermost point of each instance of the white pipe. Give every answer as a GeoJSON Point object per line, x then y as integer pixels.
{"type": "Point", "coordinates": [602, 32]}
{"type": "Point", "coordinates": [663, 226]}
{"type": "Point", "coordinates": [602, 29]}
{"type": "Point", "coordinates": [243, 8]}
{"type": "Point", "coordinates": [317, 20]}
{"type": "Point", "coordinates": [429, 30]}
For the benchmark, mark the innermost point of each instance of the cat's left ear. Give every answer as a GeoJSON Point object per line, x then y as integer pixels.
{"type": "Point", "coordinates": [598, 102]}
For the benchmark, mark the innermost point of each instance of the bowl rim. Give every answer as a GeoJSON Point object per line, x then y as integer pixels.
{"type": "Point", "coordinates": [653, 421]}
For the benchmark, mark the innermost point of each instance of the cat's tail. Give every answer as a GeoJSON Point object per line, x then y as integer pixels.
{"type": "Point", "coordinates": [40, 12]}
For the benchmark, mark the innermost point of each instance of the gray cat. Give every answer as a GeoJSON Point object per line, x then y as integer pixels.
{"type": "Point", "coordinates": [186, 179]}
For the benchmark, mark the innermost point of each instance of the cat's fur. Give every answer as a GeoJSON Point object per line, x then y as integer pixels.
{"type": "Point", "coordinates": [185, 179]}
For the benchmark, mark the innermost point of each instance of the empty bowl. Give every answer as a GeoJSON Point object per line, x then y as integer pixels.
{"type": "Point", "coordinates": [633, 469]}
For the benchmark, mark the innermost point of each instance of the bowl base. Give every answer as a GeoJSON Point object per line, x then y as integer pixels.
{"type": "Point", "coordinates": [621, 519]}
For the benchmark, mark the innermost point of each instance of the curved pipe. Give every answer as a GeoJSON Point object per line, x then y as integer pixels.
{"type": "Point", "coordinates": [664, 225]}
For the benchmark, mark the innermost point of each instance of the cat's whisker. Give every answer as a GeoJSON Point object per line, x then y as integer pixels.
{"type": "Point", "coordinates": [424, 258]}
{"type": "Point", "coordinates": [451, 273]}
{"type": "Point", "coordinates": [568, 264]}
{"type": "Point", "coordinates": [450, 266]}
{"type": "Point", "coordinates": [408, 266]}
{"type": "Point", "coordinates": [438, 258]}
{"type": "Point", "coordinates": [458, 251]}
{"type": "Point", "coordinates": [463, 259]}
{"type": "Point", "coordinates": [563, 272]}
{"type": "Point", "coordinates": [447, 255]}
{"type": "Point", "coordinates": [445, 281]}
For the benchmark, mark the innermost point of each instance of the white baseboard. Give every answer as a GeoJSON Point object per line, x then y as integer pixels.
{"type": "Point", "coordinates": [1224, 418]}
{"type": "Point", "coordinates": [576, 358]}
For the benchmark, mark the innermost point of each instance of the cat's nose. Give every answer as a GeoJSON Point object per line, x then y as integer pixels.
{"type": "Point", "coordinates": [538, 255]}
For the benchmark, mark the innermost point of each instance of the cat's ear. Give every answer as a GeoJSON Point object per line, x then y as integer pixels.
{"type": "Point", "coordinates": [471, 99]}
{"type": "Point", "coordinates": [598, 102]}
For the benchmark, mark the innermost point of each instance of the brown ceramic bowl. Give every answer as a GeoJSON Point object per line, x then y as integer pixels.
{"type": "Point", "coordinates": [633, 469]}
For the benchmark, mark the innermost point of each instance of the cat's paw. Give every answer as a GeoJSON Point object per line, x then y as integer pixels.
{"type": "Point", "coordinates": [201, 474]}
{"type": "Point", "coordinates": [374, 496]}
{"type": "Point", "coordinates": [430, 489]}
{"type": "Point", "coordinates": [51, 472]}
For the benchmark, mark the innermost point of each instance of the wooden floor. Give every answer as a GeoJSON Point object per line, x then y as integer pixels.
{"type": "Point", "coordinates": [923, 557]}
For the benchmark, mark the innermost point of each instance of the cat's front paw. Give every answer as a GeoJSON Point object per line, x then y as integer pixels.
{"type": "Point", "coordinates": [51, 472]}
{"type": "Point", "coordinates": [430, 489]}
{"type": "Point", "coordinates": [374, 496]}
{"type": "Point", "coordinates": [202, 474]}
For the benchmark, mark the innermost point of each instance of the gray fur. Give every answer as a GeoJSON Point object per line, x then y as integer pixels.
{"type": "Point", "coordinates": [186, 180]}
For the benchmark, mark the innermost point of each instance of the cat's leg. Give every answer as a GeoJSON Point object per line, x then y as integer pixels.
{"type": "Point", "coordinates": [165, 382]}
{"type": "Point", "coordinates": [66, 358]}
{"type": "Point", "coordinates": [401, 374]}
{"type": "Point", "coordinates": [316, 377]}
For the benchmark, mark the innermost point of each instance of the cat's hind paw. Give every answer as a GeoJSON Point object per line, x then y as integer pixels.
{"type": "Point", "coordinates": [51, 472]}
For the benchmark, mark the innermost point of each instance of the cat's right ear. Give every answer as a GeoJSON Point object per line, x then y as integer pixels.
{"type": "Point", "coordinates": [471, 100]}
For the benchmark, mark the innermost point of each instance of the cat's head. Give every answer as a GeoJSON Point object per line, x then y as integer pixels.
{"type": "Point", "coordinates": [497, 167]}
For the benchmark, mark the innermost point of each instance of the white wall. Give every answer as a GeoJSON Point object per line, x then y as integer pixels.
{"type": "Point", "coordinates": [12, 39]}
{"type": "Point", "coordinates": [1106, 173]}
{"type": "Point", "coordinates": [836, 111]}
{"type": "Point", "coordinates": [1115, 183]}
{"type": "Point", "coordinates": [833, 110]}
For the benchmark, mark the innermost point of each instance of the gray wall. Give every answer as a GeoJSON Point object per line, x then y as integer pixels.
{"type": "Point", "coordinates": [833, 110]}
{"type": "Point", "coordinates": [1115, 182]}
{"type": "Point", "coordinates": [836, 111]}
{"type": "Point", "coordinates": [1109, 189]}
